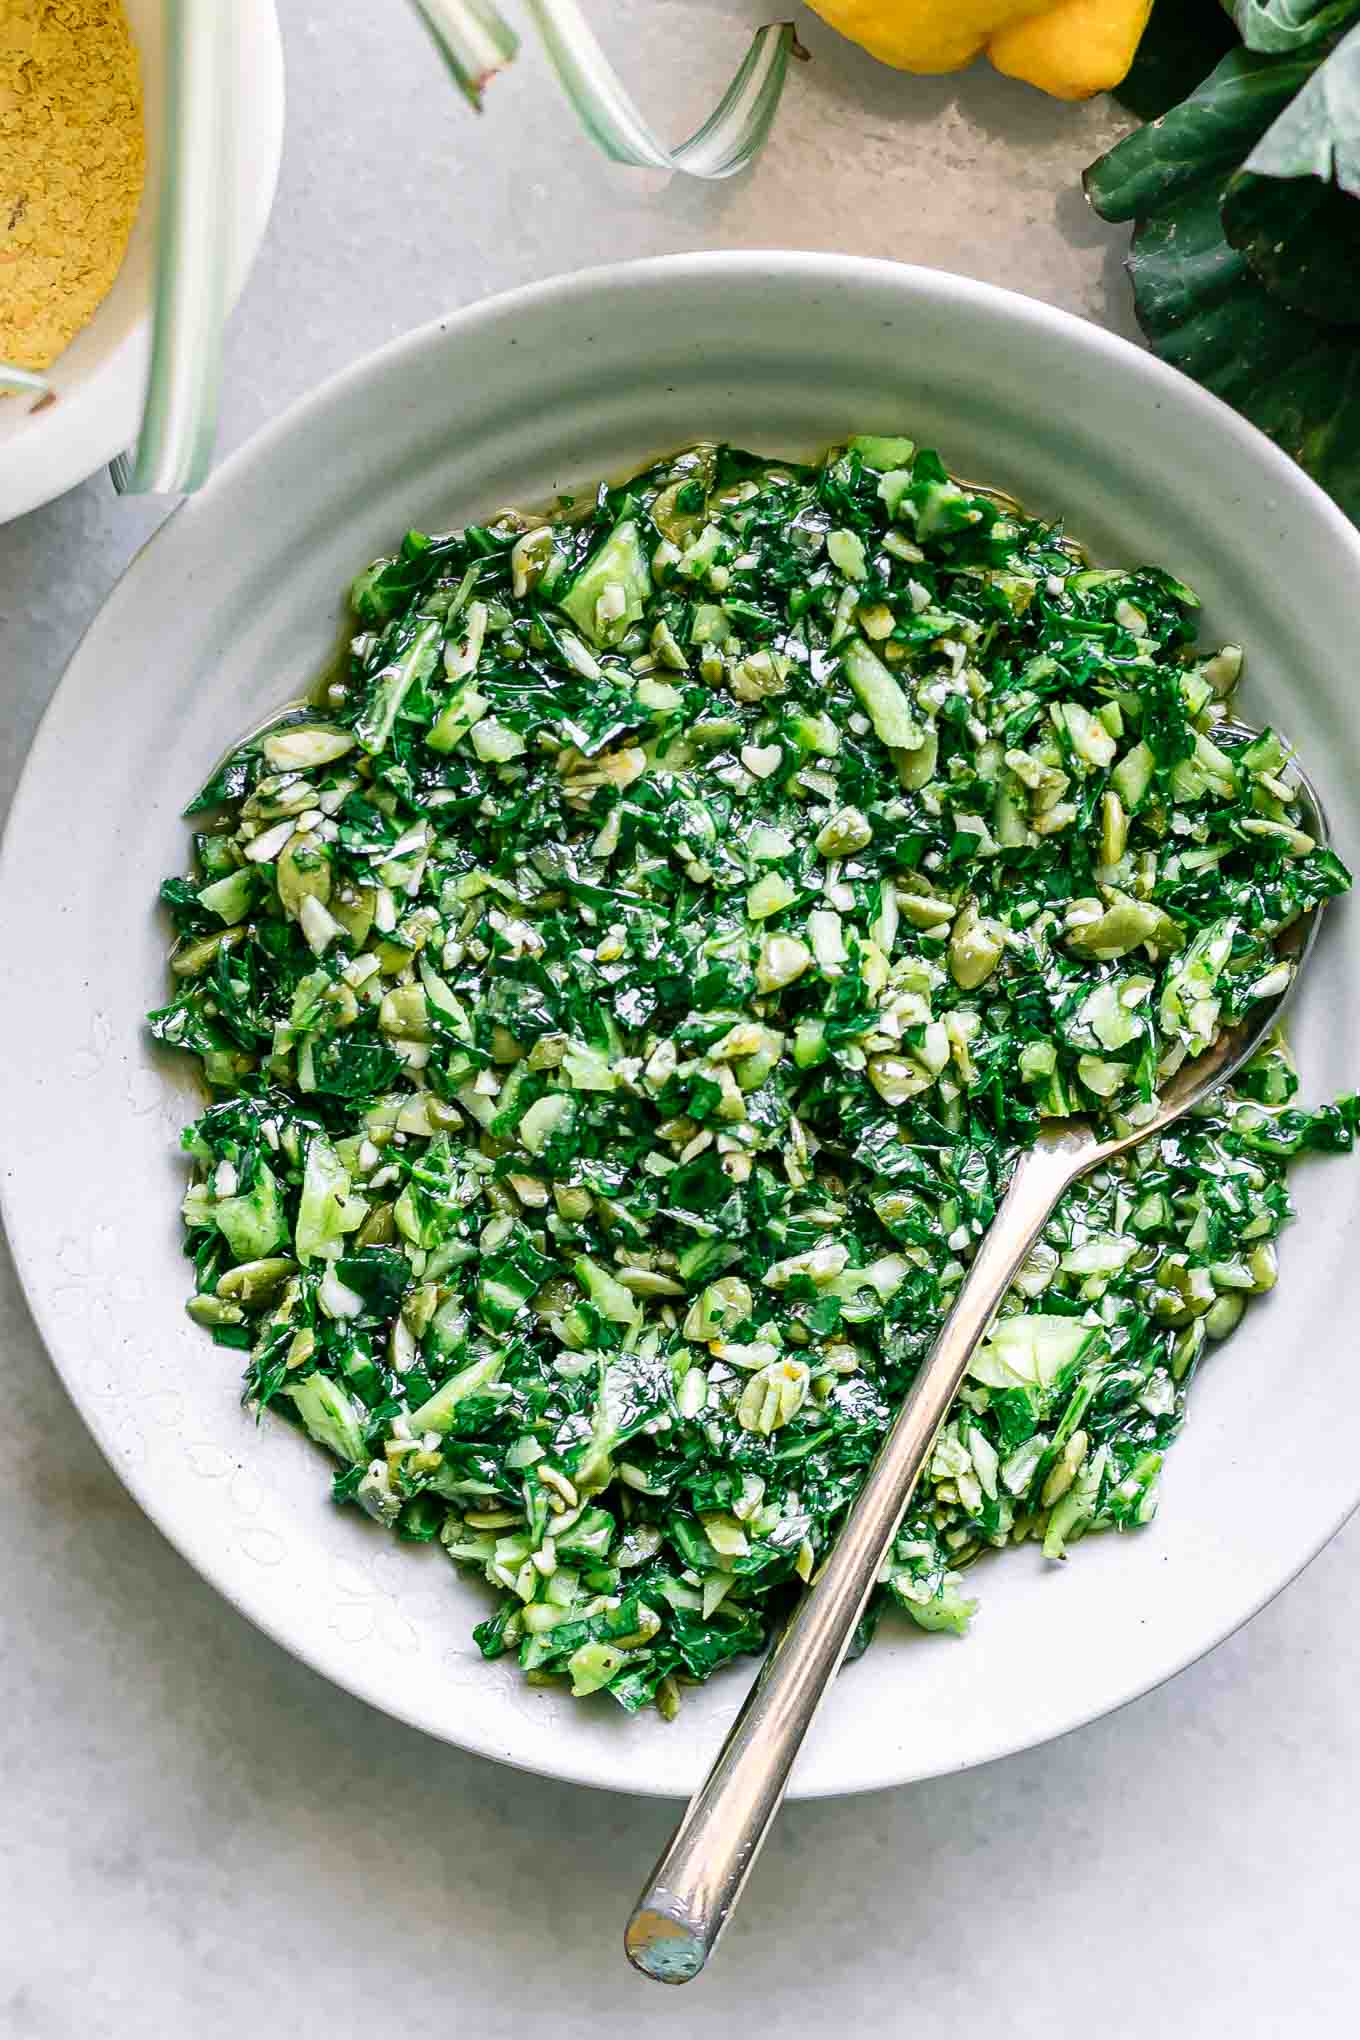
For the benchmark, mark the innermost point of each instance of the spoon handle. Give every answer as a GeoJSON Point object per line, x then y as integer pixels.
{"type": "Point", "coordinates": [694, 1888]}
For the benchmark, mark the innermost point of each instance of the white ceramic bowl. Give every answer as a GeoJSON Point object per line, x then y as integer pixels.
{"type": "Point", "coordinates": [234, 607]}
{"type": "Point", "coordinates": [100, 379]}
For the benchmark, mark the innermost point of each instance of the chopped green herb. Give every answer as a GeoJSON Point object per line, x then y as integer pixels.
{"type": "Point", "coordinates": [624, 1007]}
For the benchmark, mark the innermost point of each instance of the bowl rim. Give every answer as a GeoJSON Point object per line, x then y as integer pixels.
{"type": "Point", "coordinates": [944, 288]}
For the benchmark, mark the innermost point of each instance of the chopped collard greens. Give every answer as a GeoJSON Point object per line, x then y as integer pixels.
{"type": "Point", "coordinates": [624, 997]}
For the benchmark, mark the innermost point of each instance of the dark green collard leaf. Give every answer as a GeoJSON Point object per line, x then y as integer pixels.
{"type": "Point", "coordinates": [231, 781]}
{"type": "Point", "coordinates": [1182, 42]}
{"type": "Point", "coordinates": [383, 590]}
{"type": "Point", "coordinates": [1299, 118]}
{"type": "Point", "coordinates": [1302, 239]}
{"type": "Point", "coordinates": [1206, 136]}
{"type": "Point", "coordinates": [346, 1066]}
{"type": "Point", "coordinates": [1275, 26]}
{"type": "Point", "coordinates": [420, 1519]}
{"type": "Point", "coordinates": [1318, 134]}
{"type": "Point", "coordinates": [1205, 312]}
{"type": "Point", "coordinates": [377, 1274]}
{"type": "Point", "coordinates": [1242, 320]}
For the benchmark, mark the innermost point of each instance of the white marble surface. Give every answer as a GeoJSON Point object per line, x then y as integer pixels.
{"type": "Point", "coordinates": [199, 1836]}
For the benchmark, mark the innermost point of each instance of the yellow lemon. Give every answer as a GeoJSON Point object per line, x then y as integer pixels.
{"type": "Point", "coordinates": [925, 35]}
{"type": "Point", "coordinates": [1073, 49]}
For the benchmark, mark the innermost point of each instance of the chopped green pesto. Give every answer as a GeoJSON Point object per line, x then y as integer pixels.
{"type": "Point", "coordinates": [624, 996]}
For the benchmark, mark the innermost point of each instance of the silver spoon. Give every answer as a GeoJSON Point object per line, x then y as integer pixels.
{"type": "Point", "coordinates": [694, 1889]}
